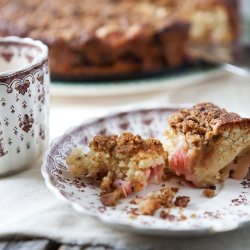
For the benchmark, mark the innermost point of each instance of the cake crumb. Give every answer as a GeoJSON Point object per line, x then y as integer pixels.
{"type": "Point", "coordinates": [154, 200]}
{"type": "Point", "coordinates": [183, 217]}
{"type": "Point", "coordinates": [133, 213]}
{"type": "Point", "coordinates": [135, 200]}
{"type": "Point", "coordinates": [209, 193]}
{"type": "Point", "coordinates": [182, 201]}
{"type": "Point", "coordinates": [165, 214]}
{"type": "Point", "coordinates": [132, 216]}
{"type": "Point", "coordinates": [149, 205]}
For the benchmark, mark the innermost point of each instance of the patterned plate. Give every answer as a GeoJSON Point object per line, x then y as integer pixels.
{"type": "Point", "coordinates": [228, 210]}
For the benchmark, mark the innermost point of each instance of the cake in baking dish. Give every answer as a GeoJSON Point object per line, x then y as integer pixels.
{"type": "Point", "coordinates": [207, 144]}
{"type": "Point", "coordinates": [98, 38]}
{"type": "Point", "coordinates": [123, 164]}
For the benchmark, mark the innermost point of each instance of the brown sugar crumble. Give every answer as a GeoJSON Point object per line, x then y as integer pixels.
{"type": "Point", "coordinates": [200, 121]}
{"type": "Point", "coordinates": [209, 193]}
{"type": "Point", "coordinates": [127, 144]}
{"type": "Point", "coordinates": [182, 201]}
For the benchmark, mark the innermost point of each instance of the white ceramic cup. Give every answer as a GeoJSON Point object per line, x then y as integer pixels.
{"type": "Point", "coordinates": [24, 102]}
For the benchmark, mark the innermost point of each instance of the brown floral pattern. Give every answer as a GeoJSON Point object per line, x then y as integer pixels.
{"type": "Point", "coordinates": [7, 55]}
{"type": "Point", "coordinates": [26, 123]}
{"type": "Point", "coordinates": [42, 132]}
{"type": "Point", "coordinates": [22, 87]}
{"type": "Point", "coordinates": [2, 149]}
{"type": "Point", "coordinates": [41, 96]}
{"type": "Point", "coordinates": [30, 58]}
{"type": "Point", "coordinates": [23, 79]}
{"type": "Point", "coordinates": [40, 77]}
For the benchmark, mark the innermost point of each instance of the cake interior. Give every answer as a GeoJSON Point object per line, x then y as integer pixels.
{"type": "Point", "coordinates": [122, 165]}
{"type": "Point", "coordinates": [227, 155]}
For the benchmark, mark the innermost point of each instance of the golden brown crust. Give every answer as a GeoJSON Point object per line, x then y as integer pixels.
{"type": "Point", "coordinates": [205, 121]}
{"type": "Point", "coordinates": [126, 144]}
{"type": "Point", "coordinates": [105, 143]}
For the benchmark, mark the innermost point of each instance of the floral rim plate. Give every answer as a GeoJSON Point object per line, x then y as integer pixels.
{"type": "Point", "coordinates": [135, 86]}
{"type": "Point", "coordinates": [228, 210]}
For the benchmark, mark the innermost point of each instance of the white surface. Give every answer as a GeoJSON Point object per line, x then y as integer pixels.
{"type": "Point", "coordinates": [27, 207]}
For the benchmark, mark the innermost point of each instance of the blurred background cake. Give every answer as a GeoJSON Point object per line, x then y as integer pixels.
{"type": "Point", "coordinates": [117, 37]}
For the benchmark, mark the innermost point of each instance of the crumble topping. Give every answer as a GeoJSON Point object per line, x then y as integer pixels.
{"type": "Point", "coordinates": [201, 121]}
{"type": "Point", "coordinates": [203, 143]}
{"type": "Point", "coordinates": [127, 144]}
{"type": "Point", "coordinates": [209, 193]}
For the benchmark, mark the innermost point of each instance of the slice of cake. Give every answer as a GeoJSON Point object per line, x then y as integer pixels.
{"type": "Point", "coordinates": [123, 164]}
{"type": "Point", "coordinates": [206, 144]}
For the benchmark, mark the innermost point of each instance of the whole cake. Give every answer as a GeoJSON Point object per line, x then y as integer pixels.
{"type": "Point", "coordinates": [96, 38]}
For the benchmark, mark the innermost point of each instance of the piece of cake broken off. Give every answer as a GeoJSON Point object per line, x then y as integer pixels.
{"type": "Point", "coordinates": [207, 144]}
{"type": "Point", "coordinates": [123, 164]}
{"type": "Point", "coordinates": [164, 198]}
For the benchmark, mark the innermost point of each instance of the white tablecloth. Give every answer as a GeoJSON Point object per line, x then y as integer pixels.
{"type": "Point", "coordinates": [28, 208]}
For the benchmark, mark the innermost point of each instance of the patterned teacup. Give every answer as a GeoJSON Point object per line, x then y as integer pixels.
{"type": "Point", "coordinates": [24, 102]}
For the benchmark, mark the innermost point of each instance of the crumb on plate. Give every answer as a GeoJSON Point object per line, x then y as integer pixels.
{"type": "Point", "coordinates": [182, 201]}
{"type": "Point", "coordinates": [209, 193]}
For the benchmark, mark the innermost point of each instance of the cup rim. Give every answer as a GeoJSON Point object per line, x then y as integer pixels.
{"type": "Point", "coordinates": [26, 41]}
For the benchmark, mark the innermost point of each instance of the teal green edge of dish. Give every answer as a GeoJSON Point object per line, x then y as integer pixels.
{"type": "Point", "coordinates": [160, 79]}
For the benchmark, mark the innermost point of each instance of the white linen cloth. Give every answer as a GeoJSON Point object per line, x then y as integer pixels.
{"type": "Point", "coordinates": [28, 208]}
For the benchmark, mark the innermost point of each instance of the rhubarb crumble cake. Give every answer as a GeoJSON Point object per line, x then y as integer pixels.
{"type": "Point", "coordinates": [207, 144]}
{"type": "Point", "coordinates": [98, 38]}
{"type": "Point", "coordinates": [211, 21]}
{"type": "Point", "coordinates": [123, 164]}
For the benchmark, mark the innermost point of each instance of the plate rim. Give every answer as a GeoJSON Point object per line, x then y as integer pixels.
{"type": "Point", "coordinates": [124, 226]}
{"type": "Point", "coordinates": [139, 86]}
